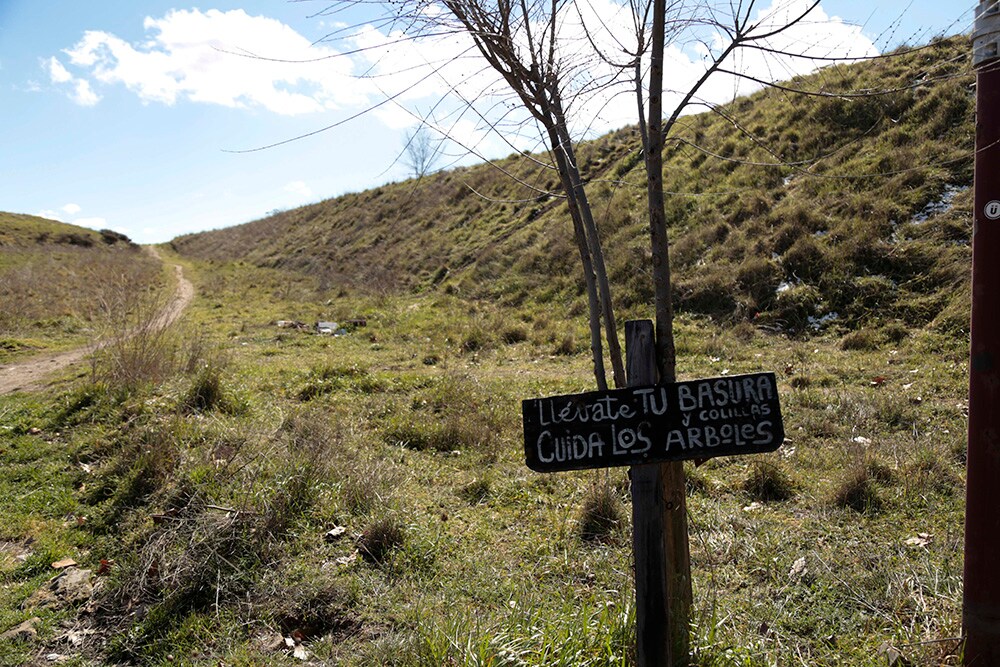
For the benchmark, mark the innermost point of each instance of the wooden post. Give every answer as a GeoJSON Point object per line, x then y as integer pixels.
{"type": "Point", "coordinates": [981, 592]}
{"type": "Point", "coordinates": [659, 534]}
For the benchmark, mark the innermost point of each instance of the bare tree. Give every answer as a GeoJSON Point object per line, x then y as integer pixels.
{"type": "Point", "coordinates": [520, 41]}
{"type": "Point", "coordinates": [554, 57]}
{"type": "Point", "coordinates": [422, 151]}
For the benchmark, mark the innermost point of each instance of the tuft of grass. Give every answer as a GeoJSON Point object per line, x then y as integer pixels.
{"type": "Point", "coordinates": [862, 339]}
{"type": "Point", "coordinates": [207, 393]}
{"type": "Point", "coordinates": [514, 335]}
{"type": "Point", "coordinates": [858, 491]}
{"type": "Point", "coordinates": [768, 482]}
{"type": "Point", "coordinates": [477, 491]}
{"type": "Point", "coordinates": [568, 346]}
{"type": "Point", "coordinates": [601, 515]}
{"type": "Point", "coordinates": [380, 538]}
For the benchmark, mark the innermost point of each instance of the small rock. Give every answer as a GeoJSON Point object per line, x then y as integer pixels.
{"type": "Point", "coordinates": [63, 564]}
{"type": "Point", "coordinates": [24, 631]}
{"type": "Point", "coordinates": [270, 642]}
{"type": "Point", "coordinates": [71, 587]}
{"type": "Point", "coordinates": [74, 586]}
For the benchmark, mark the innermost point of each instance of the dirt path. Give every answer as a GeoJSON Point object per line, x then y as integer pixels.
{"type": "Point", "coordinates": [30, 375]}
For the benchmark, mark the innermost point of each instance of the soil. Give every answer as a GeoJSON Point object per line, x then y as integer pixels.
{"type": "Point", "coordinates": [30, 375]}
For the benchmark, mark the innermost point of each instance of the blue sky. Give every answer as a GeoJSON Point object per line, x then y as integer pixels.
{"type": "Point", "coordinates": [124, 115]}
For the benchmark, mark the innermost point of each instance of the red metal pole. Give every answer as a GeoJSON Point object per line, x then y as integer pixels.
{"type": "Point", "coordinates": [981, 603]}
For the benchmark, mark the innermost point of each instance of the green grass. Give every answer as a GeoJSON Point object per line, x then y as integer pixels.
{"type": "Point", "coordinates": [487, 561]}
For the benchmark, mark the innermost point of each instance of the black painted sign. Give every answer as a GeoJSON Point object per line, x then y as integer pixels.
{"type": "Point", "coordinates": [698, 419]}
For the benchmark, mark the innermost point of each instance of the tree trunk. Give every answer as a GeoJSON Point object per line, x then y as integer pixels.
{"type": "Point", "coordinates": [583, 246]}
{"type": "Point", "coordinates": [579, 194]}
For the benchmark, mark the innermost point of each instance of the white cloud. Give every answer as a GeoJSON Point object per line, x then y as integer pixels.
{"type": "Point", "coordinates": [299, 188]}
{"type": "Point", "coordinates": [208, 57]}
{"type": "Point", "coordinates": [202, 56]}
{"type": "Point", "coordinates": [66, 214]}
{"type": "Point", "coordinates": [83, 94]}
{"type": "Point", "coordinates": [78, 89]}
{"type": "Point", "coordinates": [57, 73]}
{"type": "Point", "coordinates": [51, 215]}
{"type": "Point", "coordinates": [404, 67]}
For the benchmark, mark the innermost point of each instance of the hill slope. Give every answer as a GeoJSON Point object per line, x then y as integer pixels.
{"type": "Point", "coordinates": [790, 210]}
{"type": "Point", "coordinates": [58, 280]}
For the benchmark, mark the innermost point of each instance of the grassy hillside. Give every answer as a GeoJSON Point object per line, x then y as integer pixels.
{"type": "Point", "coordinates": [868, 211]}
{"type": "Point", "coordinates": [59, 283]}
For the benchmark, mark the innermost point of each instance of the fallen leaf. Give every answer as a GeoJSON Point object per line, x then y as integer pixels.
{"type": "Point", "coordinates": [894, 657]}
{"type": "Point", "coordinates": [798, 568]}
{"type": "Point", "coordinates": [300, 653]}
{"type": "Point", "coordinates": [104, 567]}
{"type": "Point", "coordinates": [920, 540]}
{"type": "Point", "coordinates": [63, 564]}
{"type": "Point", "coordinates": [862, 440]}
{"type": "Point", "coordinates": [878, 381]}
{"type": "Point", "coordinates": [752, 507]}
{"type": "Point", "coordinates": [335, 533]}
{"type": "Point", "coordinates": [347, 560]}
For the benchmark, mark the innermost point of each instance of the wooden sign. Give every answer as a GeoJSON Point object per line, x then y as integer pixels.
{"type": "Point", "coordinates": [698, 419]}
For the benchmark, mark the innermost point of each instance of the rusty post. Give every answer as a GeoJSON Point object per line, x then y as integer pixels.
{"type": "Point", "coordinates": [981, 603]}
